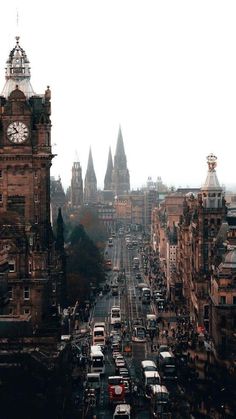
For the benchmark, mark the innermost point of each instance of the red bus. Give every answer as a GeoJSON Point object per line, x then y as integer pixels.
{"type": "Point", "coordinates": [116, 389]}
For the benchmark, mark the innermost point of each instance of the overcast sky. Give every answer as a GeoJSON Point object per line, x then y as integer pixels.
{"type": "Point", "coordinates": [164, 70]}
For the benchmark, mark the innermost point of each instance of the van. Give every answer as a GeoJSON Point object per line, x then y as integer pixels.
{"type": "Point", "coordinates": [150, 378]}
{"type": "Point", "coordinates": [115, 316]}
{"type": "Point", "coordinates": [148, 365]}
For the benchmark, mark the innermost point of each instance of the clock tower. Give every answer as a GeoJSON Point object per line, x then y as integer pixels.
{"type": "Point", "coordinates": [25, 159]}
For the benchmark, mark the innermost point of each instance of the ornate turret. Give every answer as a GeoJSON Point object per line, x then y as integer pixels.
{"type": "Point", "coordinates": [120, 174]}
{"type": "Point", "coordinates": [108, 176]}
{"type": "Point", "coordinates": [212, 192]}
{"type": "Point", "coordinates": [18, 72]}
{"type": "Point", "coordinates": [90, 182]}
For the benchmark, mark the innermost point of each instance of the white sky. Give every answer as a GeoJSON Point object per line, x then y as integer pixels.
{"type": "Point", "coordinates": [164, 70]}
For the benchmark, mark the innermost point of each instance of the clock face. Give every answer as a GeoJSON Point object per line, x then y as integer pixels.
{"type": "Point", "coordinates": [17, 132]}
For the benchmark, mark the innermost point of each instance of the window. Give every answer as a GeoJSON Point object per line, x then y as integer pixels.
{"type": "Point", "coordinates": [234, 299]}
{"type": "Point", "coordinates": [36, 198]}
{"type": "Point", "coordinates": [0, 173]}
{"type": "Point", "coordinates": [11, 266]}
{"type": "Point", "coordinates": [26, 293]}
{"type": "Point", "coordinates": [1, 198]}
{"type": "Point", "coordinates": [30, 267]}
{"type": "Point", "coordinates": [10, 311]}
{"type": "Point", "coordinates": [26, 311]}
{"type": "Point", "coordinates": [10, 293]}
{"type": "Point", "coordinates": [222, 299]}
{"type": "Point", "coordinates": [48, 139]}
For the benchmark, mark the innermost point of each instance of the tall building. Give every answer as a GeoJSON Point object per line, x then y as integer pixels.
{"type": "Point", "coordinates": [108, 175]}
{"type": "Point", "coordinates": [76, 190]}
{"type": "Point", "coordinates": [120, 173]}
{"type": "Point", "coordinates": [26, 238]}
{"type": "Point", "coordinates": [90, 182]}
{"type": "Point", "coordinates": [198, 229]}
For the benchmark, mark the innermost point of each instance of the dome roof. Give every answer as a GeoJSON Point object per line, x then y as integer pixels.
{"type": "Point", "coordinates": [17, 72]}
{"type": "Point", "coordinates": [230, 259]}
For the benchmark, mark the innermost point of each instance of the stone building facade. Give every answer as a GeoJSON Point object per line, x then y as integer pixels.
{"type": "Point", "coordinates": [26, 240]}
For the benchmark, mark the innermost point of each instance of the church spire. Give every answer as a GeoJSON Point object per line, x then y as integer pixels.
{"type": "Point", "coordinates": [120, 157]}
{"type": "Point", "coordinates": [120, 173]}
{"type": "Point", "coordinates": [108, 176]}
{"type": "Point", "coordinates": [18, 72]}
{"type": "Point", "coordinates": [90, 182]}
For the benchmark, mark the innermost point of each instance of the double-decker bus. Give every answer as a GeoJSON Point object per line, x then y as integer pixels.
{"type": "Point", "coordinates": [116, 389]}
{"type": "Point", "coordinates": [99, 335]}
{"type": "Point", "coordinates": [97, 360]}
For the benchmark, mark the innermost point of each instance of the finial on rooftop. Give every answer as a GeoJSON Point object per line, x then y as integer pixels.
{"type": "Point", "coordinates": [212, 162]}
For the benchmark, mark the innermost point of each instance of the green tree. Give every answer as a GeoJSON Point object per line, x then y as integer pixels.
{"type": "Point", "coordinates": [95, 229]}
{"type": "Point", "coordinates": [85, 265]}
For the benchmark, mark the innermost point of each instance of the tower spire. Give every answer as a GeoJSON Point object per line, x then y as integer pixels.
{"type": "Point", "coordinates": [120, 173]}
{"type": "Point", "coordinates": [90, 181]}
{"type": "Point", "coordinates": [108, 175]}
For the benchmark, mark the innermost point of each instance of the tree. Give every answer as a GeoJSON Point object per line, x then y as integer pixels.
{"type": "Point", "coordinates": [85, 265]}
{"type": "Point", "coordinates": [87, 216]}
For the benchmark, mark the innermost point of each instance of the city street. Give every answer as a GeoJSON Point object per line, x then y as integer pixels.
{"type": "Point", "coordinates": [191, 394]}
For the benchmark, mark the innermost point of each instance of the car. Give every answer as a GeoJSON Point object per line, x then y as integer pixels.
{"type": "Point", "coordinates": [138, 275]}
{"type": "Point", "coordinates": [115, 269]}
{"type": "Point", "coordinates": [163, 348]}
{"type": "Point", "coordinates": [124, 372]}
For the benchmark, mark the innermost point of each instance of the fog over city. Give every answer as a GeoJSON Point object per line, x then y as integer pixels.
{"type": "Point", "coordinates": [163, 71]}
